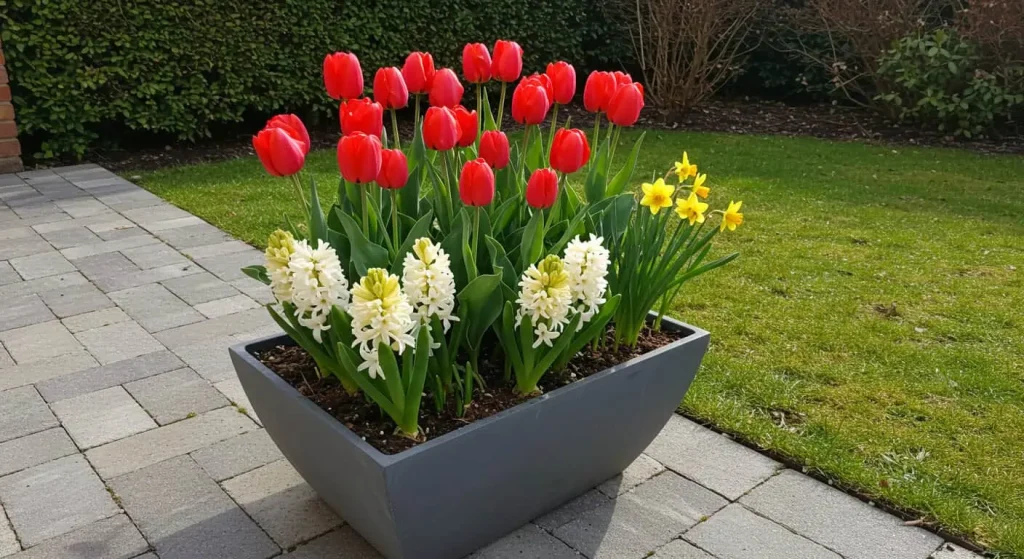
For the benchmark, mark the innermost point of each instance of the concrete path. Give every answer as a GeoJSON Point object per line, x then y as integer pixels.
{"type": "Point", "coordinates": [124, 432]}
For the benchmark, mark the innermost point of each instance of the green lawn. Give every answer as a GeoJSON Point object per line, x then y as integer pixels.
{"type": "Point", "coordinates": [872, 328]}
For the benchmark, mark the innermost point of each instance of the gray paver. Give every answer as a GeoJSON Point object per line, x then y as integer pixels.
{"type": "Point", "coordinates": [5, 358]}
{"type": "Point", "coordinates": [232, 390]}
{"type": "Point", "coordinates": [154, 256]}
{"type": "Point", "coordinates": [838, 521]}
{"type": "Point", "coordinates": [115, 342]}
{"type": "Point", "coordinates": [172, 396]}
{"type": "Point", "coordinates": [105, 265]}
{"type": "Point", "coordinates": [54, 498]}
{"type": "Point", "coordinates": [94, 319]}
{"type": "Point", "coordinates": [184, 514]}
{"type": "Point", "coordinates": [228, 267]}
{"type": "Point", "coordinates": [93, 249]}
{"type": "Point", "coordinates": [77, 299]}
{"type": "Point", "coordinates": [68, 237]}
{"type": "Point", "coordinates": [229, 305]}
{"type": "Point", "coordinates": [343, 543]}
{"type": "Point", "coordinates": [22, 311]}
{"type": "Point", "coordinates": [710, 459]}
{"type": "Point", "coordinates": [206, 251]}
{"type": "Point", "coordinates": [193, 236]}
{"type": "Point", "coordinates": [528, 542]}
{"type": "Point", "coordinates": [282, 503]}
{"type": "Point", "coordinates": [156, 445]}
{"type": "Point", "coordinates": [152, 275]}
{"type": "Point", "coordinates": [154, 214]}
{"type": "Point", "coordinates": [223, 326]}
{"type": "Point", "coordinates": [8, 540]}
{"type": "Point", "coordinates": [237, 455]}
{"type": "Point", "coordinates": [572, 510]}
{"type": "Point", "coordinates": [174, 223]}
{"type": "Point", "coordinates": [34, 449]}
{"type": "Point", "coordinates": [41, 371]}
{"type": "Point", "coordinates": [45, 340]}
{"type": "Point", "coordinates": [105, 376]}
{"type": "Point", "coordinates": [642, 469]}
{"type": "Point", "coordinates": [23, 412]}
{"type": "Point", "coordinates": [200, 288]}
{"type": "Point", "coordinates": [953, 551]}
{"type": "Point", "coordinates": [737, 533]}
{"type": "Point", "coordinates": [210, 358]}
{"type": "Point", "coordinates": [101, 417]}
{"type": "Point", "coordinates": [154, 307]}
{"type": "Point", "coordinates": [257, 291]}
{"type": "Point", "coordinates": [41, 285]}
{"type": "Point", "coordinates": [42, 265]}
{"type": "Point", "coordinates": [7, 273]}
{"type": "Point", "coordinates": [111, 538]}
{"type": "Point", "coordinates": [680, 549]}
{"type": "Point", "coordinates": [82, 207]}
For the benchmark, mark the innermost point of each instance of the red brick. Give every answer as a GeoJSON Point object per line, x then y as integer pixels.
{"type": "Point", "coordinates": [9, 147]}
{"type": "Point", "coordinates": [5, 92]}
{"type": "Point", "coordinates": [6, 111]}
{"type": "Point", "coordinates": [8, 130]}
{"type": "Point", "coordinates": [3, 75]}
{"type": "Point", "coordinates": [2, 59]}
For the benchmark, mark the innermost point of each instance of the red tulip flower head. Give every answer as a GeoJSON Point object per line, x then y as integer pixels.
{"type": "Point", "coordinates": [359, 157]}
{"type": "Point", "coordinates": [476, 183]}
{"type": "Point", "coordinates": [418, 72]}
{"type": "Point", "coordinates": [468, 123]}
{"type": "Point", "coordinates": [542, 189]}
{"type": "Point", "coordinates": [476, 63]}
{"type": "Point", "coordinates": [599, 90]}
{"type": "Point", "coordinates": [389, 88]}
{"type": "Point", "coordinates": [446, 90]}
{"type": "Point", "coordinates": [295, 128]}
{"type": "Point", "coordinates": [281, 147]}
{"type": "Point", "coordinates": [342, 75]}
{"type": "Point", "coordinates": [563, 81]}
{"type": "Point", "coordinates": [622, 78]}
{"type": "Point", "coordinates": [569, 150]}
{"type": "Point", "coordinates": [494, 148]}
{"type": "Point", "coordinates": [441, 129]}
{"type": "Point", "coordinates": [624, 107]}
{"type": "Point", "coordinates": [507, 61]}
{"type": "Point", "coordinates": [361, 115]}
{"type": "Point", "coordinates": [530, 102]}
{"type": "Point", "coordinates": [394, 169]}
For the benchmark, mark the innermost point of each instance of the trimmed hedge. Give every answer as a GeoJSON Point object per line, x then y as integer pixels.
{"type": "Point", "coordinates": [83, 72]}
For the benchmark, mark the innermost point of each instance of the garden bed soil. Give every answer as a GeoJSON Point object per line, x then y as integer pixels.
{"type": "Point", "coordinates": [365, 419]}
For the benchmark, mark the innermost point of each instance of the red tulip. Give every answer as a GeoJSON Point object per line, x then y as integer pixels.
{"type": "Point", "coordinates": [359, 157]}
{"type": "Point", "coordinates": [530, 102]}
{"type": "Point", "coordinates": [542, 189]}
{"type": "Point", "coordinates": [394, 169]}
{"type": "Point", "coordinates": [294, 126]}
{"type": "Point", "coordinates": [342, 75]}
{"type": "Point", "coordinates": [418, 72]}
{"type": "Point", "coordinates": [441, 129]}
{"type": "Point", "coordinates": [446, 91]}
{"type": "Point", "coordinates": [544, 81]}
{"type": "Point", "coordinates": [476, 183]}
{"type": "Point", "coordinates": [507, 63]}
{"type": "Point", "coordinates": [624, 107]}
{"type": "Point", "coordinates": [476, 63]}
{"type": "Point", "coordinates": [622, 78]}
{"type": "Point", "coordinates": [389, 88]}
{"type": "Point", "coordinates": [563, 80]}
{"type": "Point", "coordinates": [361, 115]}
{"type": "Point", "coordinates": [569, 150]}
{"type": "Point", "coordinates": [494, 148]}
{"type": "Point", "coordinates": [468, 124]}
{"type": "Point", "coordinates": [599, 90]}
{"type": "Point", "coordinates": [280, 153]}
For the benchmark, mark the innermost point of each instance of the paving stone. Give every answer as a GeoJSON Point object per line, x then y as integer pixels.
{"type": "Point", "coordinates": [94, 319]}
{"type": "Point", "coordinates": [45, 340]}
{"type": "Point", "coordinates": [106, 376]}
{"type": "Point", "coordinates": [115, 342]}
{"type": "Point", "coordinates": [343, 543]}
{"type": "Point", "coordinates": [953, 551]}
{"type": "Point", "coordinates": [642, 469]}
{"type": "Point", "coordinates": [679, 549]}
{"type": "Point", "coordinates": [82, 207]}
{"type": "Point", "coordinates": [5, 358]}
{"type": "Point", "coordinates": [184, 514]}
{"type": "Point", "coordinates": [528, 542]}
{"type": "Point", "coordinates": [7, 273]}
{"type": "Point", "coordinates": [572, 510]}
{"type": "Point", "coordinates": [111, 538]}
{"type": "Point", "coordinates": [70, 237]}
{"type": "Point", "coordinates": [232, 390]}
{"type": "Point", "coordinates": [210, 357]}
{"type": "Point", "coordinates": [172, 396]}
{"type": "Point", "coordinates": [42, 265]}
{"type": "Point", "coordinates": [838, 521]}
{"type": "Point", "coordinates": [40, 371]}
{"type": "Point", "coordinates": [86, 222]}
{"type": "Point", "coordinates": [154, 256]}
{"type": "Point", "coordinates": [223, 326]}
{"type": "Point", "coordinates": [237, 455]}
{"type": "Point", "coordinates": [130, 200]}
{"type": "Point", "coordinates": [282, 503]}
{"type": "Point", "coordinates": [34, 449]}
{"type": "Point", "coordinates": [23, 311]}
{"type": "Point", "coordinates": [119, 233]}
{"type": "Point", "coordinates": [115, 223]}
{"type": "Point", "coordinates": [229, 305]}
{"type": "Point", "coordinates": [737, 533]}
{"type": "Point", "coordinates": [157, 445]}
{"type": "Point", "coordinates": [154, 307]}
{"type": "Point", "coordinates": [228, 267]}
{"type": "Point", "coordinates": [254, 289]}
{"type": "Point", "coordinates": [200, 288]}
{"type": "Point", "coordinates": [154, 214]}
{"type": "Point", "coordinates": [54, 498]}
{"type": "Point", "coordinates": [153, 275]}
{"type": "Point", "coordinates": [101, 417]}
{"type": "Point", "coordinates": [23, 247]}
{"type": "Point", "coordinates": [642, 520]}
{"type": "Point", "coordinates": [710, 459]}
{"type": "Point", "coordinates": [173, 223]}
{"type": "Point", "coordinates": [42, 285]}
{"type": "Point", "coordinates": [193, 236]}
{"type": "Point", "coordinates": [105, 265]}
{"type": "Point", "coordinates": [75, 300]}
{"type": "Point", "coordinates": [74, 253]}
{"type": "Point", "coordinates": [8, 541]}
{"type": "Point", "coordinates": [206, 251]}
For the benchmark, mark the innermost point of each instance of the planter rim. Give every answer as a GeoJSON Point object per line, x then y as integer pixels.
{"type": "Point", "coordinates": [384, 460]}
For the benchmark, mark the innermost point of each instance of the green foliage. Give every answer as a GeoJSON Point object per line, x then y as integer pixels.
{"type": "Point", "coordinates": [936, 80]}
{"type": "Point", "coordinates": [87, 72]}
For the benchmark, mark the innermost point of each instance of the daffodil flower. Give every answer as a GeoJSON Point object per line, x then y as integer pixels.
{"type": "Point", "coordinates": [732, 217]}
{"type": "Point", "coordinates": [691, 209]}
{"type": "Point", "coordinates": [698, 186]}
{"type": "Point", "coordinates": [684, 170]}
{"type": "Point", "coordinates": [657, 195]}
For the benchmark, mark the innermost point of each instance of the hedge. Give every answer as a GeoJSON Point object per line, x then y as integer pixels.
{"type": "Point", "coordinates": [86, 72]}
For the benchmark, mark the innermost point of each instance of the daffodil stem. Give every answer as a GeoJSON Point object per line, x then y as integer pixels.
{"type": "Point", "coordinates": [554, 124]}
{"type": "Point", "coordinates": [501, 104]}
{"type": "Point", "coordinates": [394, 129]}
{"type": "Point", "coordinates": [366, 210]}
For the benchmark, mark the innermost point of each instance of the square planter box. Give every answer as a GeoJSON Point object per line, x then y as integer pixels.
{"type": "Point", "coordinates": [452, 495]}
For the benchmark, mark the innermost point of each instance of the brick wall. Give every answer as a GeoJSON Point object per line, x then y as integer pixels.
{"type": "Point", "coordinates": [10, 149]}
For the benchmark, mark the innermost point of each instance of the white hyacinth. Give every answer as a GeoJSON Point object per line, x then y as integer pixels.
{"type": "Point", "coordinates": [429, 283]}
{"type": "Point", "coordinates": [380, 313]}
{"type": "Point", "coordinates": [280, 246]}
{"type": "Point", "coordinates": [545, 297]}
{"type": "Point", "coordinates": [586, 262]}
{"type": "Point", "coordinates": [317, 285]}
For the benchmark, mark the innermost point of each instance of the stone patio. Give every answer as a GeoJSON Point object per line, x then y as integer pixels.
{"type": "Point", "coordinates": [124, 432]}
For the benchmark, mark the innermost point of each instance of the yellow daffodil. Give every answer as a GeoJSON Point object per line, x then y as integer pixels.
{"type": "Point", "coordinates": [657, 195]}
{"type": "Point", "coordinates": [691, 209]}
{"type": "Point", "coordinates": [684, 170]}
{"type": "Point", "coordinates": [732, 216]}
{"type": "Point", "coordinates": [699, 188]}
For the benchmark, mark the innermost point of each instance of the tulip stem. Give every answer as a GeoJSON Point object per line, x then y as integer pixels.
{"type": "Point", "coordinates": [501, 104]}
{"type": "Point", "coordinates": [526, 148]}
{"type": "Point", "coordinates": [479, 112]}
{"type": "Point", "coordinates": [366, 210]}
{"type": "Point", "coordinates": [554, 125]}
{"type": "Point", "coordinates": [302, 196]}
{"type": "Point", "coordinates": [597, 129]}
{"type": "Point", "coordinates": [394, 128]}
{"type": "Point", "coordinates": [476, 241]}
{"type": "Point", "coordinates": [394, 219]}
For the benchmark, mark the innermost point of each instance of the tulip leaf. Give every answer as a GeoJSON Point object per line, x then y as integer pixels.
{"type": "Point", "coordinates": [535, 151]}
{"type": "Point", "coordinates": [317, 225]}
{"type": "Point", "coordinates": [621, 179]}
{"type": "Point", "coordinates": [363, 254]}
{"type": "Point", "coordinates": [500, 261]}
{"type": "Point", "coordinates": [258, 273]}
{"type": "Point", "coordinates": [409, 196]}
{"type": "Point", "coordinates": [533, 241]}
{"type": "Point", "coordinates": [480, 303]}
{"type": "Point", "coordinates": [452, 244]}
{"type": "Point", "coordinates": [597, 176]}
{"type": "Point", "coordinates": [420, 229]}
{"type": "Point", "coordinates": [485, 110]}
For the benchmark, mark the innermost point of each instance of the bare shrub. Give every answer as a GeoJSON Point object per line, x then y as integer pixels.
{"type": "Point", "coordinates": [997, 28]}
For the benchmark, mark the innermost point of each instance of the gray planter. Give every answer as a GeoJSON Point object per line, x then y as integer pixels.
{"type": "Point", "coordinates": [454, 494]}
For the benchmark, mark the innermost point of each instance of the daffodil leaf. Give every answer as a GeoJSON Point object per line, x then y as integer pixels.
{"type": "Point", "coordinates": [621, 179]}
{"type": "Point", "coordinates": [258, 273]}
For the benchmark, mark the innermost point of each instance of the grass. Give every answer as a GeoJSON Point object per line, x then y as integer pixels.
{"type": "Point", "coordinates": [871, 330]}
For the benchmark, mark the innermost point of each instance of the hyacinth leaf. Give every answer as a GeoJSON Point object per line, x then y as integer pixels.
{"type": "Point", "coordinates": [420, 229]}
{"type": "Point", "coordinates": [364, 254]}
{"type": "Point", "coordinates": [597, 175]}
{"type": "Point", "coordinates": [258, 273]}
{"type": "Point", "coordinates": [532, 246]}
{"type": "Point", "coordinates": [526, 347]}
{"type": "Point", "coordinates": [367, 385]}
{"type": "Point", "coordinates": [298, 334]}
{"type": "Point", "coordinates": [506, 333]}
{"type": "Point", "coordinates": [621, 179]}
{"type": "Point", "coordinates": [591, 331]}
{"type": "Point", "coordinates": [553, 352]}
{"type": "Point", "coordinates": [485, 110]}
{"type": "Point", "coordinates": [392, 375]}
{"type": "Point", "coordinates": [417, 378]}
{"type": "Point", "coordinates": [572, 229]}
{"type": "Point", "coordinates": [317, 225]}
{"type": "Point", "coordinates": [479, 306]}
